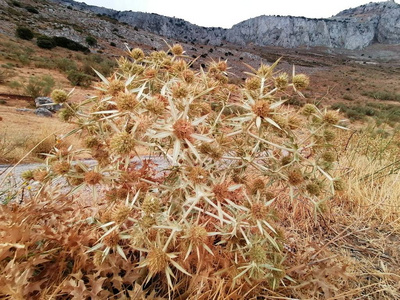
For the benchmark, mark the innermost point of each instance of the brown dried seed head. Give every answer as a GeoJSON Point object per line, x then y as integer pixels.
{"type": "Point", "coordinates": [112, 239]}
{"type": "Point", "coordinates": [61, 167]}
{"type": "Point", "coordinates": [40, 175]}
{"type": "Point", "coordinates": [328, 156]}
{"type": "Point", "coordinates": [253, 83]}
{"type": "Point", "coordinates": [59, 96]}
{"type": "Point", "coordinates": [93, 177]}
{"type": "Point", "coordinates": [300, 81]}
{"type": "Point", "coordinates": [137, 54]}
{"type": "Point", "coordinates": [157, 260]}
{"type": "Point", "coordinates": [197, 235]}
{"type": "Point", "coordinates": [331, 117]}
{"type": "Point", "coordinates": [261, 108]}
{"type": "Point", "coordinates": [282, 81]}
{"type": "Point", "coordinates": [259, 211]}
{"type": "Point", "coordinates": [222, 66]}
{"type": "Point", "coordinates": [126, 101]}
{"type": "Point", "coordinates": [179, 91]}
{"type": "Point", "coordinates": [122, 143]}
{"type": "Point", "coordinates": [151, 205]}
{"type": "Point", "coordinates": [183, 129]}
{"type": "Point", "coordinates": [313, 189]}
{"type": "Point", "coordinates": [177, 49]}
{"type": "Point", "coordinates": [258, 254]}
{"type": "Point", "coordinates": [309, 109]}
{"type": "Point", "coordinates": [295, 177]}
{"type": "Point", "coordinates": [197, 175]}
{"type": "Point", "coordinates": [120, 214]}
{"type": "Point", "coordinates": [115, 87]}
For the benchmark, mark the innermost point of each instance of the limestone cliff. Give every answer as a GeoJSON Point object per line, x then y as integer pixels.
{"type": "Point", "coordinates": [351, 29]}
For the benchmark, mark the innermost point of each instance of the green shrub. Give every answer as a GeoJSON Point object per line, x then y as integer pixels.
{"type": "Point", "coordinates": [31, 9]}
{"type": "Point", "coordinates": [24, 33]}
{"type": "Point", "coordinates": [70, 44]}
{"type": "Point", "coordinates": [16, 3]}
{"type": "Point", "coordinates": [39, 86]}
{"type": "Point", "coordinates": [112, 44]}
{"type": "Point", "coordinates": [45, 42]}
{"type": "Point", "coordinates": [79, 78]}
{"type": "Point", "coordinates": [91, 41]}
{"type": "Point", "coordinates": [65, 64]}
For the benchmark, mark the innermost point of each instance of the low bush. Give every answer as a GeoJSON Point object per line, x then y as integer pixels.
{"type": "Point", "coordinates": [79, 78]}
{"type": "Point", "coordinates": [70, 44]}
{"type": "Point", "coordinates": [91, 41]}
{"type": "Point", "coordinates": [24, 33]}
{"type": "Point", "coordinates": [31, 9]}
{"type": "Point", "coordinates": [45, 42]}
{"type": "Point", "coordinates": [39, 86]}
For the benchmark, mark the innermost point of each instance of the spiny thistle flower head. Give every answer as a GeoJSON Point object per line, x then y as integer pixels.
{"type": "Point", "coordinates": [120, 214]}
{"type": "Point", "coordinates": [256, 185]}
{"type": "Point", "coordinates": [197, 235]}
{"type": "Point", "coordinates": [222, 66]}
{"type": "Point", "coordinates": [27, 175]}
{"type": "Point", "coordinates": [282, 81]}
{"type": "Point", "coordinates": [157, 260]}
{"type": "Point", "coordinates": [295, 176]}
{"type": "Point", "coordinates": [151, 205]}
{"type": "Point", "coordinates": [183, 130]}
{"type": "Point", "coordinates": [59, 96]}
{"type": "Point", "coordinates": [294, 122]}
{"type": "Point", "coordinates": [179, 66]}
{"type": "Point", "coordinates": [329, 135]}
{"type": "Point", "coordinates": [115, 86]}
{"type": "Point", "coordinates": [264, 71]}
{"type": "Point", "coordinates": [177, 50]}
{"type": "Point", "coordinates": [40, 175]}
{"type": "Point", "coordinates": [214, 151]}
{"type": "Point", "coordinates": [259, 211]}
{"type": "Point", "coordinates": [300, 81]}
{"type": "Point", "coordinates": [150, 73]}
{"type": "Point", "coordinates": [126, 101]}
{"type": "Point", "coordinates": [313, 189]}
{"type": "Point", "coordinates": [197, 175]}
{"type": "Point", "coordinates": [61, 167]}
{"type": "Point", "coordinates": [155, 106]}
{"type": "Point", "coordinates": [122, 143]}
{"type": "Point", "coordinates": [137, 54]}
{"type": "Point", "coordinates": [331, 117]}
{"type": "Point", "coordinates": [261, 108]}
{"type": "Point", "coordinates": [253, 83]}
{"type": "Point", "coordinates": [147, 221]}
{"type": "Point", "coordinates": [339, 185]}
{"type": "Point", "coordinates": [111, 240]}
{"type": "Point", "coordinates": [328, 156]}
{"type": "Point", "coordinates": [258, 254]}
{"type": "Point", "coordinates": [158, 56]}
{"type": "Point", "coordinates": [92, 142]}
{"type": "Point", "coordinates": [309, 109]}
{"type": "Point", "coordinates": [179, 91]}
{"type": "Point", "coordinates": [199, 108]}
{"type": "Point", "coordinates": [188, 76]}
{"type": "Point", "coordinates": [93, 177]}
{"type": "Point", "coordinates": [66, 113]}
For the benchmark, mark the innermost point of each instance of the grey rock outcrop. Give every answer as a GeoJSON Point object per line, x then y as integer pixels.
{"type": "Point", "coordinates": [43, 112]}
{"type": "Point", "coordinates": [47, 103]}
{"type": "Point", "coordinates": [351, 29]}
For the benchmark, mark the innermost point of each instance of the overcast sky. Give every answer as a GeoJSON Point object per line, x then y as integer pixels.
{"type": "Point", "coordinates": [225, 13]}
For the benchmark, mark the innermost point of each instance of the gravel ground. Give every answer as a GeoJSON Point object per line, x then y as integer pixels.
{"type": "Point", "coordinates": [10, 175]}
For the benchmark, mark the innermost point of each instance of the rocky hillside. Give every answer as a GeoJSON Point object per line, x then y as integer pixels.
{"type": "Point", "coordinates": [351, 29]}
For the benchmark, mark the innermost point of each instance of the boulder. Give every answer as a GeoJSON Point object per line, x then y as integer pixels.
{"type": "Point", "coordinates": [43, 112]}
{"type": "Point", "coordinates": [47, 103]}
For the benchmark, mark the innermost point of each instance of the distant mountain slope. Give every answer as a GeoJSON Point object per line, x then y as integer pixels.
{"type": "Point", "coordinates": [351, 29]}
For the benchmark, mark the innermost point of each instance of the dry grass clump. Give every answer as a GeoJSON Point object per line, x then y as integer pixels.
{"type": "Point", "coordinates": [242, 205]}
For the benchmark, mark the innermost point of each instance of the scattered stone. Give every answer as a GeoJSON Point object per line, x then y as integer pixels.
{"type": "Point", "coordinates": [43, 112]}
{"type": "Point", "coordinates": [47, 103]}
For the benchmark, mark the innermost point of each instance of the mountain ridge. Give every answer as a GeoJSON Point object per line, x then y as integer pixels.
{"type": "Point", "coordinates": [350, 29]}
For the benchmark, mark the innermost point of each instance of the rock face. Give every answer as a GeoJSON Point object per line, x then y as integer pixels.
{"type": "Point", "coordinates": [350, 29]}
{"type": "Point", "coordinates": [47, 103]}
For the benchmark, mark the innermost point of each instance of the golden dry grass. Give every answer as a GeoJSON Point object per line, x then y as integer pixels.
{"type": "Point", "coordinates": [21, 131]}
